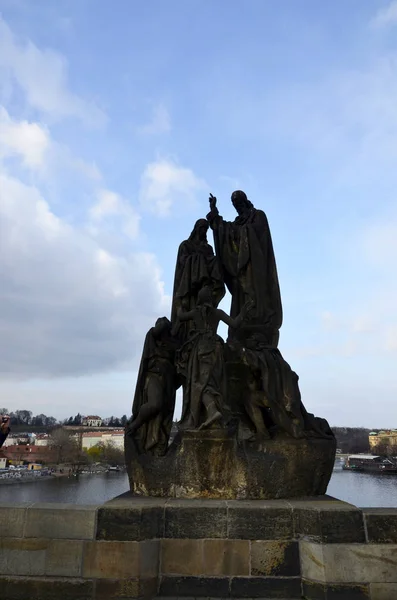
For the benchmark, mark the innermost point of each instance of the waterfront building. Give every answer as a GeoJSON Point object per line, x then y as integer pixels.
{"type": "Point", "coordinates": [92, 421]}
{"type": "Point", "coordinates": [93, 438]}
{"type": "Point", "coordinates": [42, 439]}
{"type": "Point", "coordinates": [384, 438]}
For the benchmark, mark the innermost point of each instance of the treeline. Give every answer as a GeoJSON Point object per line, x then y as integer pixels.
{"type": "Point", "coordinates": [24, 419]}
{"type": "Point", "coordinates": [107, 422]}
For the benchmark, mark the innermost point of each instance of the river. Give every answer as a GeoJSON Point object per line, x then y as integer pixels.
{"type": "Point", "coordinates": [361, 489]}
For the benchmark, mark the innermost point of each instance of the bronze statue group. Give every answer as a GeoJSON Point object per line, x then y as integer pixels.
{"type": "Point", "coordinates": [244, 385]}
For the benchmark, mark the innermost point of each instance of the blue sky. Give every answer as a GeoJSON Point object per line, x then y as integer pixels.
{"type": "Point", "coordinates": [118, 119]}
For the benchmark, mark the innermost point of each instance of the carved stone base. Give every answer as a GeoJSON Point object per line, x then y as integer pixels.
{"type": "Point", "coordinates": [212, 464]}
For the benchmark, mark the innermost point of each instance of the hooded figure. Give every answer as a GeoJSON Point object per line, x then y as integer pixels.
{"type": "Point", "coordinates": [245, 250]}
{"type": "Point", "coordinates": [196, 267]}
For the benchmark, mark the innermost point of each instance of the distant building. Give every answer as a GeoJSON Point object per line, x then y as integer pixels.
{"type": "Point", "coordinates": [11, 440]}
{"type": "Point", "coordinates": [386, 438]}
{"type": "Point", "coordinates": [93, 438]}
{"type": "Point", "coordinates": [20, 453]}
{"type": "Point", "coordinates": [92, 421]}
{"type": "Point", "coordinates": [42, 439]}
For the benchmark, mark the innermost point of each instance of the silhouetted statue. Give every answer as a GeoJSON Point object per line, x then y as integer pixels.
{"type": "Point", "coordinates": [154, 400]}
{"type": "Point", "coordinates": [201, 363]}
{"type": "Point", "coordinates": [271, 398]}
{"type": "Point", "coordinates": [196, 267]}
{"type": "Point", "coordinates": [245, 251]}
{"type": "Point", "coordinates": [244, 432]}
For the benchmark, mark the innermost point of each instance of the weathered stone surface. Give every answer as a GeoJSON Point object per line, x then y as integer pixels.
{"type": "Point", "coordinates": [265, 587]}
{"type": "Point", "coordinates": [328, 521]}
{"type": "Point", "coordinates": [312, 561]}
{"type": "Point", "coordinates": [20, 588]}
{"type": "Point", "coordinates": [115, 589]}
{"type": "Point", "coordinates": [149, 559]}
{"type": "Point", "coordinates": [195, 519]}
{"type": "Point", "coordinates": [139, 522]}
{"type": "Point", "coordinates": [64, 558]}
{"type": "Point", "coordinates": [383, 591]}
{"type": "Point", "coordinates": [22, 556]}
{"type": "Point", "coordinates": [349, 563]}
{"type": "Point", "coordinates": [12, 519]}
{"type": "Point", "coordinates": [34, 556]}
{"type": "Point", "coordinates": [60, 521]}
{"type": "Point", "coordinates": [381, 525]}
{"type": "Point", "coordinates": [313, 590]}
{"type": "Point", "coordinates": [275, 558]}
{"type": "Point", "coordinates": [210, 587]}
{"type": "Point", "coordinates": [182, 557]}
{"type": "Point", "coordinates": [259, 520]}
{"type": "Point", "coordinates": [226, 557]}
{"type": "Point", "coordinates": [212, 464]}
{"type": "Point", "coordinates": [111, 560]}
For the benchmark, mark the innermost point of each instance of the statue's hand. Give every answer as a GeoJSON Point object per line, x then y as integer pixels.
{"type": "Point", "coordinates": [212, 202]}
{"type": "Point", "coordinates": [248, 306]}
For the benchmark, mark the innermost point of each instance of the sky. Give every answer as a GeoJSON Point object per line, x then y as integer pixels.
{"type": "Point", "coordinates": [116, 122]}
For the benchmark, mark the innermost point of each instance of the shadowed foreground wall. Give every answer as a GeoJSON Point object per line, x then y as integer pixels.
{"type": "Point", "coordinates": [142, 548]}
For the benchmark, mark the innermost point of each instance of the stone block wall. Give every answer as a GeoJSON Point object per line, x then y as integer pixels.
{"type": "Point", "coordinates": [129, 548]}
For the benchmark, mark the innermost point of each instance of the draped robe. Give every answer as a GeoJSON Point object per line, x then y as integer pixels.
{"type": "Point", "coordinates": [196, 266]}
{"type": "Point", "coordinates": [245, 250]}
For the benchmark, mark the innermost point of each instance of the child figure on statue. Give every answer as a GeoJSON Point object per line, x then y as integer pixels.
{"type": "Point", "coordinates": [200, 361]}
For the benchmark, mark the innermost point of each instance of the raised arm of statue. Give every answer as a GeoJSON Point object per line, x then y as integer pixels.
{"type": "Point", "coordinates": [236, 322]}
{"type": "Point", "coordinates": [211, 217]}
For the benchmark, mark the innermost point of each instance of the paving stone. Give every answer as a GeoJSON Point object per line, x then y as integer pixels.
{"type": "Point", "coordinates": [381, 525]}
{"type": "Point", "coordinates": [349, 563]}
{"type": "Point", "coordinates": [12, 519]}
{"type": "Point", "coordinates": [213, 587]}
{"type": "Point", "coordinates": [265, 587]}
{"type": "Point", "coordinates": [275, 558]}
{"type": "Point", "coordinates": [64, 558]}
{"type": "Point", "coordinates": [22, 556]}
{"type": "Point", "coordinates": [126, 589]}
{"type": "Point", "coordinates": [111, 560]}
{"type": "Point", "coordinates": [20, 588]}
{"type": "Point", "coordinates": [260, 520]}
{"type": "Point", "coordinates": [196, 519]}
{"type": "Point", "coordinates": [317, 591]}
{"type": "Point", "coordinates": [140, 522]}
{"type": "Point", "coordinates": [182, 557]}
{"type": "Point", "coordinates": [226, 557]}
{"type": "Point", "coordinates": [328, 522]}
{"type": "Point", "coordinates": [383, 591]}
{"type": "Point", "coordinates": [60, 521]}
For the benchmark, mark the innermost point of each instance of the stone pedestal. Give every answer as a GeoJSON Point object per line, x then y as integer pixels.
{"type": "Point", "coordinates": [144, 548]}
{"type": "Point", "coordinates": [212, 464]}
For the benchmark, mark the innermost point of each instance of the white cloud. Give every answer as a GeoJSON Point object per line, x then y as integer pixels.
{"type": "Point", "coordinates": [67, 305]}
{"type": "Point", "coordinates": [159, 123]}
{"type": "Point", "coordinates": [386, 16]}
{"type": "Point", "coordinates": [42, 75]}
{"type": "Point", "coordinates": [164, 184]}
{"type": "Point", "coordinates": [109, 204]}
{"type": "Point", "coordinates": [30, 141]}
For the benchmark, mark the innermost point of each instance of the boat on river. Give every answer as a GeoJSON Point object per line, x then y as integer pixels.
{"type": "Point", "coordinates": [370, 464]}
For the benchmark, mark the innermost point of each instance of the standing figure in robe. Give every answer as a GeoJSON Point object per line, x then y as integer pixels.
{"type": "Point", "coordinates": [196, 267]}
{"type": "Point", "coordinates": [245, 250]}
{"type": "Point", "coordinates": [154, 400]}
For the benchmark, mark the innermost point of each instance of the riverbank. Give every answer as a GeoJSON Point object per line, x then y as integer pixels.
{"type": "Point", "coordinates": [19, 476]}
